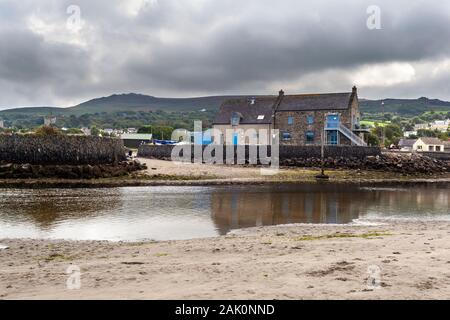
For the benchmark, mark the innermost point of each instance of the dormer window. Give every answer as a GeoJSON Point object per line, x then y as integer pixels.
{"type": "Point", "coordinates": [251, 101]}
{"type": "Point", "coordinates": [235, 119]}
{"type": "Point", "coordinates": [261, 117]}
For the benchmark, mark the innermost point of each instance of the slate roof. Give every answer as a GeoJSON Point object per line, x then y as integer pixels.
{"type": "Point", "coordinates": [263, 106]}
{"type": "Point", "coordinates": [314, 102]}
{"type": "Point", "coordinates": [433, 141]}
{"type": "Point", "coordinates": [406, 142]}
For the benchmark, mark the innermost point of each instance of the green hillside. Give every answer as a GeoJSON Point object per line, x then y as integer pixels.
{"type": "Point", "coordinates": [134, 110]}
{"type": "Point", "coordinates": [139, 102]}
{"type": "Point", "coordinates": [404, 107]}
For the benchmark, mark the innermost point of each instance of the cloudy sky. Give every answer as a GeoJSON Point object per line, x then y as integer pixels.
{"type": "Point", "coordinates": [180, 48]}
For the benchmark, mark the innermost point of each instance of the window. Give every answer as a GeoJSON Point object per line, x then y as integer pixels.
{"type": "Point", "coordinates": [438, 148]}
{"type": "Point", "coordinates": [333, 121]}
{"type": "Point", "coordinates": [290, 121]}
{"type": "Point", "coordinates": [309, 137]}
{"type": "Point", "coordinates": [310, 119]}
{"type": "Point", "coordinates": [430, 148]}
{"type": "Point", "coordinates": [261, 117]}
{"type": "Point", "coordinates": [286, 136]}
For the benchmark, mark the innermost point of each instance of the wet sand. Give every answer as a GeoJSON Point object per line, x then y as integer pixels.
{"type": "Point", "coordinates": [280, 262]}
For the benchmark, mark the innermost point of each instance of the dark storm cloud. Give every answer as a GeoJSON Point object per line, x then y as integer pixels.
{"type": "Point", "coordinates": [179, 48]}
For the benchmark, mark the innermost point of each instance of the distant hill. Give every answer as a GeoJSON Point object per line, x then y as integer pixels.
{"type": "Point", "coordinates": [34, 111]}
{"type": "Point", "coordinates": [404, 107]}
{"type": "Point", "coordinates": [139, 102]}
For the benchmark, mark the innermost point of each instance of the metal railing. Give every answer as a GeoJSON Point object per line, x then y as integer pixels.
{"type": "Point", "coordinates": [346, 132]}
{"type": "Point", "coordinates": [353, 137]}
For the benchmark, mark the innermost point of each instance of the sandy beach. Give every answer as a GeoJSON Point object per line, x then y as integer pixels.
{"type": "Point", "coordinates": [280, 262]}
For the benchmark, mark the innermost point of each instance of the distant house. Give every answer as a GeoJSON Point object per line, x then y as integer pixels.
{"type": "Point", "coordinates": [132, 130]}
{"type": "Point", "coordinates": [86, 131]}
{"type": "Point", "coordinates": [408, 134]}
{"type": "Point", "coordinates": [49, 121]}
{"type": "Point", "coordinates": [134, 140]}
{"type": "Point", "coordinates": [108, 131]}
{"type": "Point", "coordinates": [429, 144]}
{"type": "Point", "coordinates": [439, 125]}
{"type": "Point", "coordinates": [407, 144]}
{"type": "Point", "coordinates": [301, 119]}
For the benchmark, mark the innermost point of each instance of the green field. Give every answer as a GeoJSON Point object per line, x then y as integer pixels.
{"type": "Point", "coordinates": [371, 123]}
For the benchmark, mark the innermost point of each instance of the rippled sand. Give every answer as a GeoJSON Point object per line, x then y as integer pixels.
{"type": "Point", "coordinates": [392, 260]}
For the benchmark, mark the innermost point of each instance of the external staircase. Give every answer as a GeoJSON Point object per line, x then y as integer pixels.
{"type": "Point", "coordinates": [355, 139]}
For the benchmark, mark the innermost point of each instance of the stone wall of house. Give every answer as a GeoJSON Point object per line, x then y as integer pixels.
{"type": "Point", "coordinates": [300, 126]}
{"type": "Point", "coordinates": [286, 152]}
{"type": "Point", "coordinates": [60, 149]}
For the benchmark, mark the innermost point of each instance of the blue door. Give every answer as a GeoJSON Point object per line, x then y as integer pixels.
{"type": "Point", "coordinates": [332, 137]}
{"type": "Point", "coordinates": [235, 139]}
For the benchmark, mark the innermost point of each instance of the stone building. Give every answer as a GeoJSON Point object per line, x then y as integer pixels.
{"type": "Point", "coordinates": [240, 116]}
{"type": "Point", "coordinates": [302, 119]}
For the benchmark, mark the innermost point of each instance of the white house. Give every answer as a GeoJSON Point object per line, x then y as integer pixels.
{"type": "Point", "coordinates": [429, 144]}
{"type": "Point", "coordinates": [408, 134]}
{"type": "Point", "coordinates": [440, 125]}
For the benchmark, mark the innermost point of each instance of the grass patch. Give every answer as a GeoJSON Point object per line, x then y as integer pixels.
{"type": "Point", "coordinates": [372, 123]}
{"type": "Point", "coordinates": [344, 236]}
{"type": "Point", "coordinates": [163, 254]}
{"type": "Point", "coordinates": [137, 244]}
{"type": "Point", "coordinates": [55, 257]}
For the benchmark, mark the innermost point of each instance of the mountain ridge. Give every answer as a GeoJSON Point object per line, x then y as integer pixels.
{"type": "Point", "coordinates": [141, 102]}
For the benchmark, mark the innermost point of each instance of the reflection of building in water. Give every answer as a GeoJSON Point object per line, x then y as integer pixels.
{"type": "Point", "coordinates": [238, 209]}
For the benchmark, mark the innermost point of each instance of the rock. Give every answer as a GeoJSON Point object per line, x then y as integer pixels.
{"type": "Point", "coordinates": [6, 167]}
{"type": "Point", "coordinates": [390, 162]}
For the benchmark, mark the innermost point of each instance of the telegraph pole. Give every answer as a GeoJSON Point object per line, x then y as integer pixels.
{"type": "Point", "coordinates": [383, 130]}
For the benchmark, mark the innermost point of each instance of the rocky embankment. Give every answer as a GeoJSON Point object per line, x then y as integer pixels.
{"type": "Point", "coordinates": [402, 163]}
{"type": "Point", "coordinates": [24, 171]}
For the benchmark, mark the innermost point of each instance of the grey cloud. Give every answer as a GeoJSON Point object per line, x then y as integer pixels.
{"type": "Point", "coordinates": [179, 48]}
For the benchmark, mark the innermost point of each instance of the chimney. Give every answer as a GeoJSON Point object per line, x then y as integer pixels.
{"type": "Point", "coordinates": [354, 90]}
{"type": "Point", "coordinates": [281, 93]}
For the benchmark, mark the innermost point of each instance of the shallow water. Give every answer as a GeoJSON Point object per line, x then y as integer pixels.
{"type": "Point", "coordinates": [165, 213]}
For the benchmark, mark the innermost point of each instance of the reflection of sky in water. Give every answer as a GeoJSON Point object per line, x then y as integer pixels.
{"type": "Point", "coordinates": [164, 213]}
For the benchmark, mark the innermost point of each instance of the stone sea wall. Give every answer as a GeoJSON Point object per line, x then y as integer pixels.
{"type": "Point", "coordinates": [60, 150]}
{"type": "Point", "coordinates": [286, 152]}
{"type": "Point", "coordinates": [338, 157]}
